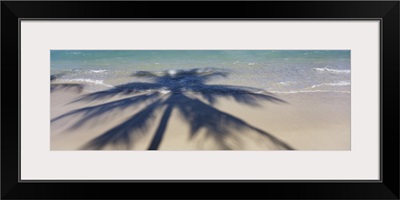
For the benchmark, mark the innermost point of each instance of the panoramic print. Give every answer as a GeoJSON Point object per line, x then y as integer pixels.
{"type": "Point", "coordinates": [181, 100]}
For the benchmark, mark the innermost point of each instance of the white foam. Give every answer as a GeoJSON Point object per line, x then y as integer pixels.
{"type": "Point", "coordinates": [98, 71]}
{"type": "Point", "coordinates": [86, 80]}
{"type": "Point", "coordinates": [340, 83]}
{"type": "Point", "coordinates": [325, 69]}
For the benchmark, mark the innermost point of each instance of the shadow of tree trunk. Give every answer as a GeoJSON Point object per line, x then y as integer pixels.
{"type": "Point", "coordinates": [158, 136]}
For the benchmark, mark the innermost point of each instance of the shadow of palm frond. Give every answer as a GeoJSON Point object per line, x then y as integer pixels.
{"type": "Point", "coordinates": [63, 86]}
{"type": "Point", "coordinates": [168, 90]}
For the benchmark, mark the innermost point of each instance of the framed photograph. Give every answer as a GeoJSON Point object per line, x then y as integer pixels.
{"type": "Point", "coordinates": [115, 97]}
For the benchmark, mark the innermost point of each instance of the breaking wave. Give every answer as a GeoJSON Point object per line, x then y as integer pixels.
{"type": "Point", "coordinates": [86, 80]}
{"type": "Point", "coordinates": [98, 71]}
{"type": "Point", "coordinates": [325, 69]}
{"type": "Point", "coordinates": [340, 83]}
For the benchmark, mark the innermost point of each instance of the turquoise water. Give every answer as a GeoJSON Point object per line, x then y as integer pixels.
{"type": "Point", "coordinates": [278, 71]}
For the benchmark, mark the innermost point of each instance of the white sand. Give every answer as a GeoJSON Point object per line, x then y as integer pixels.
{"type": "Point", "coordinates": [306, 122]}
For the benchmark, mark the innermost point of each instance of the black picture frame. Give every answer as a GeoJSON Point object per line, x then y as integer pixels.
{"type": "Point", "coordinates": [386, 11]}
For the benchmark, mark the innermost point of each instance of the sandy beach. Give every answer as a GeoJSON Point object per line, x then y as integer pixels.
{"type": "Point", "coordinates": [307, 121]}
{"type": "Point", "coordinates": [200, 100]}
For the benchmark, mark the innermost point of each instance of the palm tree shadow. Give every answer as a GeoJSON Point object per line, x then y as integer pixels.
{"type": "Point", "coordinates": [169, 90]}
{"type": "Point", "coordinates": [63, 86]}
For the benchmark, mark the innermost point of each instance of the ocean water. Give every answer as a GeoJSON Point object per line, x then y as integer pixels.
{"type": "Point", "coordinates": [278, 71]}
